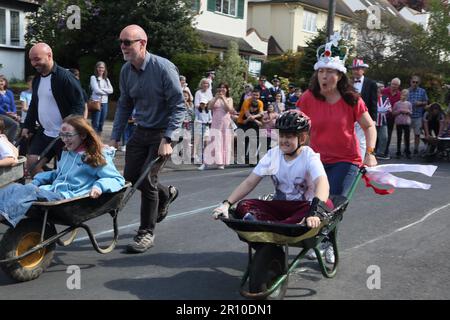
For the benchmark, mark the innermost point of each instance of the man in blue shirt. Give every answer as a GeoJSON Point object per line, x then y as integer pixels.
{"type": "Point", "coordinates": [150, 85]}
{"type": "Point", "coordinates": [419, 99]}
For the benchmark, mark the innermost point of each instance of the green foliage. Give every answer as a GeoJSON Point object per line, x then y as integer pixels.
{"type": "Point", "coordinates": [411, 50]}
{"type": "Point", "coordinates": [232, 71]}
{"type": "Point", "coordinates": [285, 66]}
{"type": "Point", "coordinates": [195, 66]}
{"type": "Point", "coordinates": [168, 26]}
{"type": "Point", "coordinates": [306, 69]}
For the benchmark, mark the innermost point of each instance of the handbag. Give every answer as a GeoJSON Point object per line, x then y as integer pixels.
{"type": "Point", "coordinates": [94, 105]}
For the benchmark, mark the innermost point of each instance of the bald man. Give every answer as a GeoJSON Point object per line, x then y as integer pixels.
{"type": "Point", "coordinates": [149, 84]}
{"type": "Point", "coordinates": [56, 93]}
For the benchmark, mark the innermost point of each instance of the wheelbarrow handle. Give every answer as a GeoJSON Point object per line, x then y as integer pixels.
{"type": "Point", "coordinates": [136, 185]}
{"type": "Point", "coordinates": [43, 153]}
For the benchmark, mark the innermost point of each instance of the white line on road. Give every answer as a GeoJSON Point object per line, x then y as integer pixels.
{"type": "Point", "coordinates": [201, 176]}
{"type": "Point", "coordinates": [429, 214]}
{"type": "Point", "coordinates": [173, 216]}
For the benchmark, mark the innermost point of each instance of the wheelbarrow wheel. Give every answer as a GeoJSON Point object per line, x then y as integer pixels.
{"type": "Point", "coordinates": [20, 239]}
{"type": "Point", "coordinates": [267, 266]}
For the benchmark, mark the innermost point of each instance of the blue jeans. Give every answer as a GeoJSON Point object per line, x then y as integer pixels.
{"type": "Point", "coordinates": [382, 138]}
{"type": "Point", "coordinates": [98, 118]}
{"type": "Point", "coordinates": [340, 177]}
{"type": "Point", "coordinates": [16, 199]}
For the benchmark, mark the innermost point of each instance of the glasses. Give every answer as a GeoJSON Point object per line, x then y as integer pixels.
{"type": "Point", "coordinates": [67, 135]}
{"type": "Point", "coordinates": [415, 81]}
{"type": "Point", "coordinates": [127, 42]}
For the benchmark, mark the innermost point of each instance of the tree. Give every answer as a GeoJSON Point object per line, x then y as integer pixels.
{"type": "Point", "coordinates": [167, 23]}
{"type": "Point", "coordinates": [232, 71]}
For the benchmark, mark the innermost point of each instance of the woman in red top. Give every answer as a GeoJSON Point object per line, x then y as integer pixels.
{"type": "Point", "coordinates": [333, 107]}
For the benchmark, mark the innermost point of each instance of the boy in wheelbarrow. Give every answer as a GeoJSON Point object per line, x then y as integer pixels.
{"type": "Point", "coordinates": [300, 181]}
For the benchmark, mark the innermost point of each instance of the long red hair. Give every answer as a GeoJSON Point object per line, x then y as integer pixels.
{"type": "Point", "coordinates": [91, 142]}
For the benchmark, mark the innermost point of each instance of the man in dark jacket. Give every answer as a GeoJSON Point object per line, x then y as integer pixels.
{"type": "Point", "coordinates": [56, 95]}
{"type": "Point", "coordinates": [368, 89]}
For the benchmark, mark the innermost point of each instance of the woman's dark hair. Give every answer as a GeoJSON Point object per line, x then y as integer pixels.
{"type": "Point", "coordinates": [201, 110]}
{"type": "Point", "coordinates": [223, 84]}
{"type": "Point", "coordinates": [344, 87]}
{"type": "Point", "coordinates": [435, 106]}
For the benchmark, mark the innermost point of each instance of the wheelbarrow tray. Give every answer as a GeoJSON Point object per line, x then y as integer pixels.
{"type": "Point", "coordinates": [12, 173]}
{"type": "Point", "coordinates": [284, 234]}
{"type": "Point", "coordinates": [75, 211]}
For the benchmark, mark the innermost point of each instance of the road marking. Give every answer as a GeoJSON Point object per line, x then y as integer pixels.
{"type": "Point", "coordinates": [202, 176]}
{"type": "Point", "coordinates": [429, 214]}
{"type": "Point", "coordinates": [173, 216]}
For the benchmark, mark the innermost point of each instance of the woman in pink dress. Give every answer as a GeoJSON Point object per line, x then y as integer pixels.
{"type": "Point", "coordinates": [219, 150]}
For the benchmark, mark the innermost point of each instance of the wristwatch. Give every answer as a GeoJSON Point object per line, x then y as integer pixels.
{"type": "Point", "coordinates": [370, 150]}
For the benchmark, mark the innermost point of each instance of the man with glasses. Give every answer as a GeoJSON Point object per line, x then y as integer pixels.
{"type": "Point", "coordinates": [419, 99]}
{"type": "Point", "coordinates": [149, 84]}
{"type": "Point", "coordinates": [56, 93]}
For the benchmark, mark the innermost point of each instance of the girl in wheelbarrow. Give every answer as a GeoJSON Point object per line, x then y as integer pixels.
{"type": "Point", "coordinates": [299, 178]}
{"type": "Point", "coordinates": [85, 167]}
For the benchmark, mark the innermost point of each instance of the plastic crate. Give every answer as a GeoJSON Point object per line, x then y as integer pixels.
{"type": "Point", "coordinates": [12, 174]}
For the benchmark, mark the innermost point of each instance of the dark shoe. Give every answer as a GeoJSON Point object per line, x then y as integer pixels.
{"type": "Point", "coordinates": [415, 152]}
{"type": "Point", "coordinates": [383, 157]}
{"type": "Point", "coordinates": [173, 194]}
{"type": "Point", "coordinates": [398, 155]}
{"type": "Point", "coordinates": [408, 156]}
{"type": "Point", "coordinates": [141, 242]}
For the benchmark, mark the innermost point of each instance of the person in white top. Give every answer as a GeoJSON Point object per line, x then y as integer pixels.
{"type": "Point", "coordinates": [101, 87]}
{"type": "Point", "coordinates": [203, 92]}
{"type": "Point", "coordinates": [297, 173]}
{"type": "Point", "coordinates": [8, 152]}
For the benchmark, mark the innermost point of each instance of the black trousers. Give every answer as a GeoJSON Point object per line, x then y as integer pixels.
{"type": "Point", "coordinates": [405, 130]}
{"type": "Point", "coordinates": [143, 146]}
{"type": "Point", "coordinates": [390, 125]}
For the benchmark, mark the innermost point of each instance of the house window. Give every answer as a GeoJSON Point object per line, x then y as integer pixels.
{"type": "Point", "coordinates": [226, 7]}
{"type": "Point", "coordinates": [15, 28]}
{"type": "Point", "coordinates": [309, 21]}
{"type": "Point", "coordinates": [346, 30]}
{"type": "Point", "coordinates": [2, 26]}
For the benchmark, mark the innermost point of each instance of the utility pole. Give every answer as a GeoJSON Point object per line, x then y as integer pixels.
{"type": "Point", "coordinates": [330, 20]}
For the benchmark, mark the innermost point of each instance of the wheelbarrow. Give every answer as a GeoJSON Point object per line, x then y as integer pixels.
{"type": "Point", "coordinates": [27, 250]}
{"type": "Point", "coordinates": [268, 268]}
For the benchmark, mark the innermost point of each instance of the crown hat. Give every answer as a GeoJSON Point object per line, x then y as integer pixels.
{"type": "Point", "coordinates": [330, 55]}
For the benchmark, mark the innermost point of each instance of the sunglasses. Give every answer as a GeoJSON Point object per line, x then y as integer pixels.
{"type": "Point", "coordinates": [128, 42]}
{"type": "Point", "coordinates": [415, 81]}
{"type": "Point", "coordinates": [67, 135]}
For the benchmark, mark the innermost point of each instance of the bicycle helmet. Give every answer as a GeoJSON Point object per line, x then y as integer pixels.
{"type": "Point", "coordinates": [293, 121]}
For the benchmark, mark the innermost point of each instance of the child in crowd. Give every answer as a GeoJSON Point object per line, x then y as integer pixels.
{"type": "Point", "coordinates": [188, 123]}
{"type": "Point", "coordinates": [383, 108]}
{"type": "Point", "coordinates": [402, 112]}
{"type": "Point", "coordinates": [445, 129]}
{"type": "Point", "coordinates": [277, 104]}
{"type": "Point", "coordinates": [203, 119]}
{"type": "Point", "coordinates": [298, 176]}
{"type": "Point", "coordinates": [85, 167]}
{"type": "Point", "coordinates": [268, 123]}
{"type": "Point", "coordinates": [8, 153]}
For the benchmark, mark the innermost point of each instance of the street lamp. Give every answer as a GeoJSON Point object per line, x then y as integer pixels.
{"type": "Point", "coordinates": [330, 20]}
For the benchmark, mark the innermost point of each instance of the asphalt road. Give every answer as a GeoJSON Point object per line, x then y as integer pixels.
{"type": "Point", "coordinates": [405, 235]}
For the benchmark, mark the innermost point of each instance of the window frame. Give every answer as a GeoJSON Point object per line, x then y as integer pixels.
{"type": "Point", "coordinates": [221, 11]}
{"type": "Point", "coordinates": [307, 21]}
